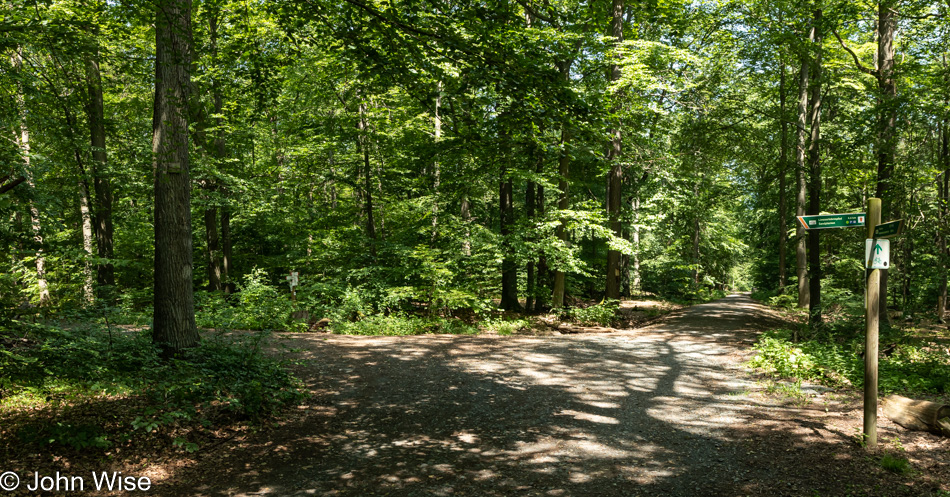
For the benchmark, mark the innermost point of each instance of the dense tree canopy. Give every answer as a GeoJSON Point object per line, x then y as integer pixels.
{"type": "Point", "coordinates": [445, 156]}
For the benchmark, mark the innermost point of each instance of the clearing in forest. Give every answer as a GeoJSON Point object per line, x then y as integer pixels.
{"type": "Point", "coordinates": [663, 410]}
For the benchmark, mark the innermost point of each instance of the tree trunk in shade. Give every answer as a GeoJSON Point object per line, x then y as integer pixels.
{"type": "Point", "coordinates": [173, 327]}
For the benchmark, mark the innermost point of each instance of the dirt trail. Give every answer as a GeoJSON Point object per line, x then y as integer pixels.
{"type": "Point", "coordinates": [665, 410]}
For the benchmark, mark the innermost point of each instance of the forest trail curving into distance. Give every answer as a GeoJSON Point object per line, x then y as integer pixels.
{"type": "Point", "coordinates": [663, 410]}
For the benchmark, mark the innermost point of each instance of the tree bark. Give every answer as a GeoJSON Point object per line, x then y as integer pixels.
{"type": "Point", "coordinates": [85, 213]}
{"type": "Point", "coordinates": [782, 166]}
{"type": "Point", "coordinates": [943, 188]}
{"type": "Point", "coordinates": [226, 283]}
{"type": "Point", "coordinates": [541, 274]}
{"type": "Point", "coordinates": [105, 271]}
{"type": "Point", "coordinates": [213, 249]}
{"type": "Point", "coordinates": [466, 213]}
{"type": "Point", "coordinates": [814, 183]}
{"type": "Point", "coordinates": [635, 259]}
{"type": "Point", "coordinates": [800, 174]}
{"type": "Point", "coordinates": [564, 201]}
{"type": "Point", "coordinates": [23, 143]}
{"type": "Point", "coordinates": [212, 241]}
{"type": "Point", "coordinates": [615, 176]}
{"type": "Point", "coordinates": [173, 327]}
{"type": "Point", "coordinates": [436, 172]}
{"type": "Point", "coordinates": [368, 180]}
{"type": "Point", "coordinates": [530, 202]}
{"type": "Point", "coordinates": [509, 271]}
{"type": "Point", "coordinates": [887, 119]}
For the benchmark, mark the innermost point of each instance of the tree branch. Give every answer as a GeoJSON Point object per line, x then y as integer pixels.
{"type": "Point", "coordinates": [857, 62]}
{"type": "Point", "coordinates": [9, 186]}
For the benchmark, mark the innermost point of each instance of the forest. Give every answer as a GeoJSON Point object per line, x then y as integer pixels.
{"type": "Point", "coordinates": [176, 169]}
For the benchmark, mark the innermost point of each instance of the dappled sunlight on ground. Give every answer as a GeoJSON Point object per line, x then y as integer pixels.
{"type": "Point", "coordinates": [660, 411]}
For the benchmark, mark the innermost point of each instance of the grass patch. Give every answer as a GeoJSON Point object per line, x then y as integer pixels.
{"type": "Point", "coordinates": [895, 464]}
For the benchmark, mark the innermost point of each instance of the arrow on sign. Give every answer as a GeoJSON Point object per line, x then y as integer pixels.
{"type": "Point", "coordinates": [878, 249]}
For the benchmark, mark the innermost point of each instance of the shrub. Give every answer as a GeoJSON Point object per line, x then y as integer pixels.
{"type": "Point", "coordinates": [602, 314]}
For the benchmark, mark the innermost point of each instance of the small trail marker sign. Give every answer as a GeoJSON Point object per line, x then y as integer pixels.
{"type": "Point", "coordinates": [877, 254]}
{"type": "Point", "coordinates": [824, 221]}
{"type": "Point", "coordinates": [292, 279]}
{"type": "Point", "coordinates": [889, 229]}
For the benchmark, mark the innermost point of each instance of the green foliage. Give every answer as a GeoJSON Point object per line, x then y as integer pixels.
{"type": "Point", "coordinates": [906, 368]}
{"type": "Point", "coordinates": [602, 314]}
{"type": "Point", "coordinates": [82, 366]}
{"type": "Point", "coordinates": [400, 325]}
{"type": "Point", "coordinates": [257, 306]}
{"type": "Point", "coordinates": [78, 437]}
{"type": "Point", "coordinates": [895, 464]}
{"type": "Point", "coordinates": [505, 326]}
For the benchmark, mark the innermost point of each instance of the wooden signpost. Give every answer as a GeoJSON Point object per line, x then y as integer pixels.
{"type": "Point", "coordinates": [876, 258]}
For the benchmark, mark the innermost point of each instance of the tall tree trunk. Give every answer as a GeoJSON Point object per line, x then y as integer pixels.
{"type": "Point", "coordinates": [173, 327]}
{"type": "Point", "coordinates": [887, 120]}
{"type": "Point", "coordinates": [105, 272]}
{"type": "Point", "coordinates": [564, 201]}
{"type": "Point", "coordinates": [23, 143]}
{"type": "Point", "coordinates": [368, 180]}
{"type": "Point", "coordinates": [212, 241]}
{"type": "Point", "coordinates": [943, 187]}
{"type": "Point", "coordinates": [541, 274]}
{"type": "Point", "coordinates": [814, 183]}
{"type": "Point", "coordinates": [211, 234]}
{"type": "Point", "coordinates": [509, 271]}
{"type": "Point", "coordinates": [226, 283]}
{"type": "Point", "coordinates": [615, 176]}
{"type": "Point", "coordinates": [635, 259]}
{"type": "Point", "coordinates": [466, 213]}
{"type": "Point", "coordinates": [85, 213]}
{"type": "Point", "coordinates": [782, 166]}
{"type": "Point", "coordinates": [530, 202]}
{"type": "Point", "coordinates": [800, 175]}
{"type": "Point", "coordinates": [436, 172]}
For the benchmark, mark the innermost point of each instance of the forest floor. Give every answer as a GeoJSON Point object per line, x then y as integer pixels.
{"type": "Point", "coordinates": [663, 410]}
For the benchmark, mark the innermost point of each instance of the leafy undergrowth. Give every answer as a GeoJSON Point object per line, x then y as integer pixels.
{"type": "Point", "coordinates": [906, 368]}
{"type": "Point", "coordinates": [86, 393]}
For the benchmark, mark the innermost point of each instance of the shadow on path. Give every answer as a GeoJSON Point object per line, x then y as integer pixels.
{"type": "Point", "coordinates": [659, 411]}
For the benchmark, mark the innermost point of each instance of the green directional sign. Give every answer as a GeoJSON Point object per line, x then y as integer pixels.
{"type": "Point", "coordinates": [890, 229]}
{"type": "Point", "coordinates": [832, 221]}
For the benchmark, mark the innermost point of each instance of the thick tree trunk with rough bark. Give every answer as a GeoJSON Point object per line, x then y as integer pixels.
{"type": "Point", "coordinates": [615, 176]}
{"type": "Point", "coordinates": [173, 327]}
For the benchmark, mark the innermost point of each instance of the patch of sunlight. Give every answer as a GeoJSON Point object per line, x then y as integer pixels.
{"type": "Point", "coordinates": [603, 405]}
{"type": "Point", "coordinates": [579, 478]}
{"type": "Point", "coordinates": [593, 418]}
{"type": "Point", "coordinates": [466, 437]}
{"type": "Point", "coordinates": [546, 359]}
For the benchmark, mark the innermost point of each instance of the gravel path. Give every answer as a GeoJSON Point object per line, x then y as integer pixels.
{"type": "Point", "coordinates": [664, 410]}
